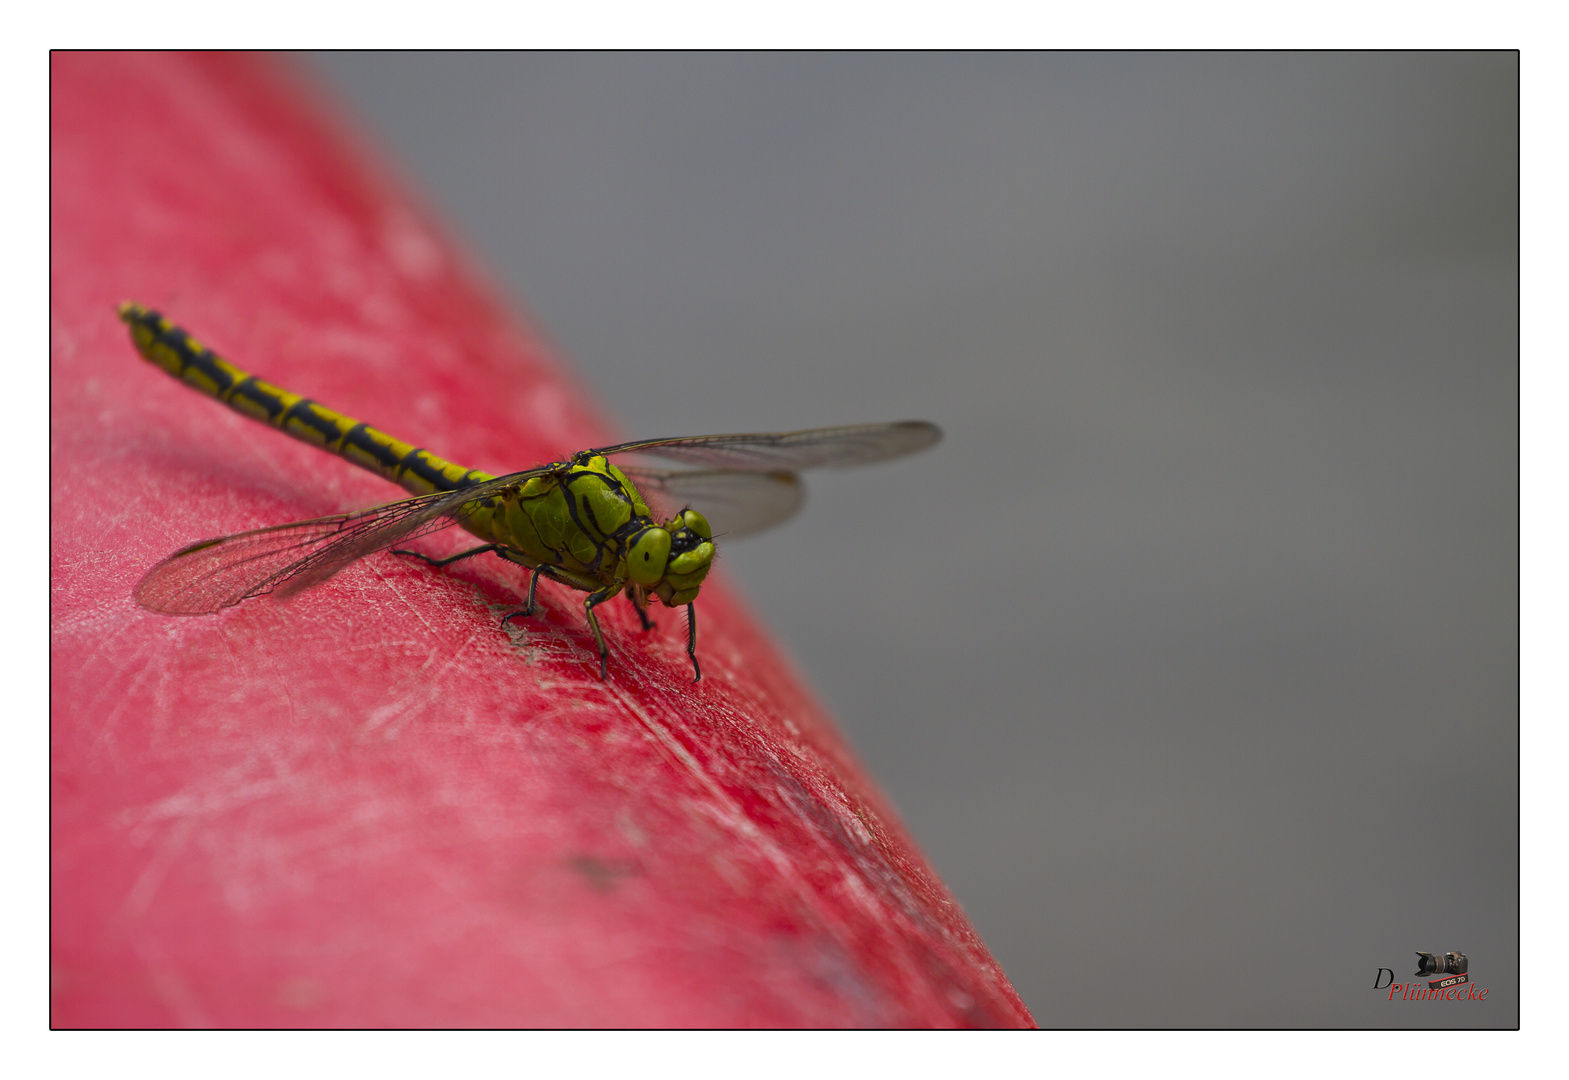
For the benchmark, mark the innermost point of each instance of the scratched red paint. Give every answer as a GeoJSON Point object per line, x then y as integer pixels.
{"type": "Point", "coordinates": [368, 806]}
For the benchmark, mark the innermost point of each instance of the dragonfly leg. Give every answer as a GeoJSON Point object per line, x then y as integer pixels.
{"type": "Point", "coordinates": [527, 609]}
{"type": "Point", "coordinates": [533, 587]}
{"type": "Point", "coordinates": [599, 596]}
{"type": "Point", "coordinates": [449, 560]}
{"type": "Point", "coordinates": [514, 555]}
{"type": "Point", "coordinates": [642, 612]}
{"type": "Point", "coordinates": [691, 640]}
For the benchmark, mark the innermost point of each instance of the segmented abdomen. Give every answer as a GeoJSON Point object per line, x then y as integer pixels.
{"type": "Point", "coordinates": [172, 349]}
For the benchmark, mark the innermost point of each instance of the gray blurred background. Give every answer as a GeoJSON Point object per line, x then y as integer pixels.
{"type": "Point", "coordinates": [1190, 657]}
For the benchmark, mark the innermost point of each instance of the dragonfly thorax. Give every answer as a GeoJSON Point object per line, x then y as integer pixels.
{"type": "Point", "coordinates": [587, 521]}
{"type": "Point", "coordinates": [668, 560]}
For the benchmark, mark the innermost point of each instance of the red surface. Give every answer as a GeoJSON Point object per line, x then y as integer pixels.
{"type": "Point", "coordinates": [367, 806]}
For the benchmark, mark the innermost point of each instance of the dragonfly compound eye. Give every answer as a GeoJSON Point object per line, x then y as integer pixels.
{"type": "Point", "coordinates": [647, 557]}
{"type": "Point", "coordinates": [697, 523]}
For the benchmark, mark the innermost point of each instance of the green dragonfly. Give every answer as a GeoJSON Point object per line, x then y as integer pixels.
{"type": "Point", "coordinates": [583, 522]}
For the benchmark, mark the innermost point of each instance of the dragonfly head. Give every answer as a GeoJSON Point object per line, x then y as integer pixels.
{"type": "Point", "coordinates": [672, 559]}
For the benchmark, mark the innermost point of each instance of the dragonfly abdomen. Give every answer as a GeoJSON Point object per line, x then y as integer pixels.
{"type": "Point", "coordinates": [416, 470]}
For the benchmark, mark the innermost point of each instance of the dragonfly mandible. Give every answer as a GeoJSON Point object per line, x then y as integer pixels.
{"type": "Point", "coordinates": [584, 522]}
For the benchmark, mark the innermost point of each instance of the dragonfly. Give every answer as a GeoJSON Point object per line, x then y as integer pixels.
{"type": "Point", "coordinates": [585, 522]}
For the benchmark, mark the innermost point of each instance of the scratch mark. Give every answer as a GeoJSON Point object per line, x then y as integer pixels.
{"type": "Point", "coordinates": [141, 894]}
{"type": "Point", "coordinates": [734, 817]}
{"type": "Point", "coordinates": [279, 680]}
{"type": "Point", "coordinates": [429, 689]}
{"type": "Point", "coordinates": [854, 878]}
{"type": "Point", "coordinates": [404, 600]}
{"type": "Point", "coordinates": [106, 727]}
{"type": "Point", "coordinates": [225, 791]}
{"type": "Point", "coordinates": [170, 988]}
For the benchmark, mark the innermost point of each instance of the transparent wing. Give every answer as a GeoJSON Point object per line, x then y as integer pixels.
{"type": "Point", "coordinates": [735, 503]}
{"type": "Point", "coordinates": [214, 574]}
{"type": "Point", "coordinates": [788, 451]}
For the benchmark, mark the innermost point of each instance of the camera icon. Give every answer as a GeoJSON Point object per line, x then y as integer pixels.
{"type": "Point", "coordinates": [1450, 963]}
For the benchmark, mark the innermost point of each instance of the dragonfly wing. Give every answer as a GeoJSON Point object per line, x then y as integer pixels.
{"type": "Point", "coordinates": [735, 503]}
{"type": "Point", "coordinates": [789, 451]}
{"type": "Point", "coordinates": [283, 559]}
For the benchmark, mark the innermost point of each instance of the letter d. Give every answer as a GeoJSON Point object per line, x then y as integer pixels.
{"type": "Point", "coordinates": [1379, 985]}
